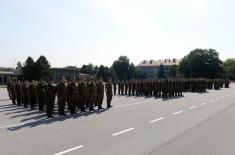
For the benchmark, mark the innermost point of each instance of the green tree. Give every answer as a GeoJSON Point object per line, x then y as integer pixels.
{"type": "Point", "coordinates": [161, 72]}
{"type": "Point", "coordinates": [201, 63]}
{"type": "Point", "coordinates": [19, 66]}
{"type": "Point", "coordinates": [229, 68]}
{"type": "Point", "coordinates": [88, 69]}
{"type": "Point", "coordinates": [173, 71]}
{"type": "Point", "coordinates": [28, 69]}
{"type": "Point", "coordinates": [121, 67]}
{"type": "Point", "coordinates": [132, 72]}
{"type": "Point", "coordinates": [140, 74]}
{"type": "Point", "coordinates": [113, 74]}
{"type": "Point", "coordinates": [104, 72]}
{"type": "Point", "coordinates": [42, 68]}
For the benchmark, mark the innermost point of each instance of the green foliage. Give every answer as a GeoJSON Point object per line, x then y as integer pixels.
{"type": "Point", "coordinates": [173, 71]}
{"type": "Point", "coordinates": [36, 70]}
{"type": "Point", "coordinates": [88, 69]}
{"type": "Point", "coordinates": [140, 74]}
{"type": "Point", "coordinates": [229, 68]}
{"type": "Point", "coordinates": [19, 66]}
{"type": "Point", "coordinates": [201, 63]}
{"type": "Point", "coordinates": [42, 68]}
{"type": "Point", "coordinates": [132, 72]}
{"type": "Point", "coordinates": [121, 67]}
{"type": "Point", "coordinates": [28, 69]}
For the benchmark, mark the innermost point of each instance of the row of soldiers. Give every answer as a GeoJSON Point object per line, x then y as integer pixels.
{"type": "Point", "coordinates": [76, 94]}
{"type": "Point", "coordinates": [167, 88]}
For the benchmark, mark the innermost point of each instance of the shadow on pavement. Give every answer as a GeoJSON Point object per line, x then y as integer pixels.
{"type": "Point", "coordinates": [12, 109]}
{"type": "Point", "coordinates": [42, 120]}
{"type": "Point", "coordinates": [25, 114]}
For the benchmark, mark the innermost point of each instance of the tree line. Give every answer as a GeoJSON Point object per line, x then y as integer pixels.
{"type": "Point", "coordinates": [203, 63]}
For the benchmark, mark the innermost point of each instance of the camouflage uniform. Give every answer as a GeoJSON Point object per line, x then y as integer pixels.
{"type": "Point", "coordinates": [19, 93]}
{"type": "Point", "coordinates": [114, 87]}
{"type": "Point", "coordinates": [13, 93]}
{"type": "Point", "coordinates": [91, 87]}
{"type": "Point", "coordinates": [72, 94]}
{"type": "Point", "coordinates": [61, 92]}
{"type": "Point", "coordinates": [39, 90]}
{"type": "Point", "coordinates": [109, 94]}
{"type": "Point", "coordinates": [100, 91]}
{"type": "Point", "coordinates": [49, 93]}
{"type": "Point", "coordinates": [82, 95]}
{"type": "Point", "coordinates": [25, 94]}
{"type": "Point", "coordinates": [32, 95]}
{"type": "Point", "coordinates": [9, 88]}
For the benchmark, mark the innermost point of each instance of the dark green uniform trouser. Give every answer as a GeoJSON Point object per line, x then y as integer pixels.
{"type": "Point", "coordinates": [49, 108]}
{"type": "Point", "coordinates": [61, 106]}
{"type": "Point", "coordinates": [109, 99]}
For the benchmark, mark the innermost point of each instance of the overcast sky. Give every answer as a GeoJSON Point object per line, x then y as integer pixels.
{"type": "Point", "coordinates": [76, 32]}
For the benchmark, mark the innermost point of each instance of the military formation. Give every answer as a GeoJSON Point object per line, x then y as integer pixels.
{"type": "Point", "coordinates": [167, 88]}
{"type": "Point", "coordinates": [86, 94]}
{"type": "Point", "coordinates": [77, 95]}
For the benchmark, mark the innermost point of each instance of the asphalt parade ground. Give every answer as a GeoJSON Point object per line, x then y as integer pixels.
{"type": "Point", "coordinates": [196, 124]}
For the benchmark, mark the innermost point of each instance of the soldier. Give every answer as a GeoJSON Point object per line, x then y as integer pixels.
{"type": "Point", "coordinates": [13, 92]}
{"type": "Point", "coordinates": [78, 98]}
{"type": "Point", "coordinates": [25, 94]}
{"type": "Point", "coordinates": [39, 90]}
{"type": "Point", "coordinates": [100, 91]}
{"type": "Point", "coordinates": [114, 87]}
{"type": "Point", "coordinates": [82, 95]}
{"type": "Point", "coordinates": [32, 95]}
{"type": "Point", "coordinates": [91, 87]}
{"type": "Point", "coordinates": [61, 92]}
{"type": "Point", "coordinates": [126, 87]}
{"type": "Point", "coordinates": [122, 87]}
{"type": "Point", "coordinates": [9, 88]}
{"type": "Point", "coordinates": [109, 94]}
{"type": "Point", "coordinates": [133, 87]}
{"type": "Point", "coordinates": [19, 93]}
{"type": "Point", "coordinates": [119, 87]}
{"type": "Point", "coordinates": [96, 94]}
{"type": "Point", "coordinates": [72, 94]}
{"type": "Point", "coordinates": [226, 83]}
{"type": "Point", "coordinates": [49, 93]}
{"type": "Point", "coordinates": [129, 87]}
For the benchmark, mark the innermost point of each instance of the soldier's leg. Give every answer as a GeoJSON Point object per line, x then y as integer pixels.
{"type": "Point", "coordinates": [91, 103]}
{"type": "Point", "coordinates": [82, 108]}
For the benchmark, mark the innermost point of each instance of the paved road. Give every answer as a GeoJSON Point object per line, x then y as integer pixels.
{"type": "Point", "coordinates": [197, 124]}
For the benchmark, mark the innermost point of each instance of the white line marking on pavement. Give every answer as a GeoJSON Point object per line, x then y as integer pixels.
{"type": "Point", "coordinates": [69, 150]}
{"type": "Point", "coordinates": [121, 132]}
{"type": "Point", "coordinates": [193, 107]}
{"type": "Point", "coordinates": [131, 104]}
{"type": "Point", "coordinates": [156, 120]}
{"type": "Point", "coordinates": [211, 101]}
{"type": "Point", "coordinates": [203, 104]}
{"type": "Point", "coordinates": [177, 113]}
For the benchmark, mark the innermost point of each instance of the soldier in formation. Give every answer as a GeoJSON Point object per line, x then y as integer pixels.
{"type": "Point", "coordinates": [169, 88]}
{"type": "Point", "coordinates": [86, 94]}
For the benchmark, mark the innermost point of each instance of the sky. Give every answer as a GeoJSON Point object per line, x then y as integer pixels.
{"type": "Point", "coordinates": [77, 32]}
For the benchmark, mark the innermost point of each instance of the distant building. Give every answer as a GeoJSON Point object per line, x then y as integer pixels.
{"type": "Point", "coordinates": [151, 68]}
{"type": "Point", "coordinates": [9, 74]}
{"type": "Point", "coordinates": [58, 73]}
